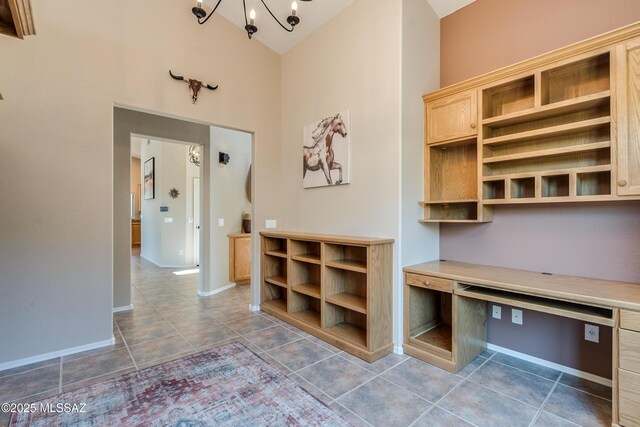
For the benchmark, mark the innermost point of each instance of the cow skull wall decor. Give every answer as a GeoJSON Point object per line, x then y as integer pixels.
{"type": "Point", "coordinates": [194, 86]}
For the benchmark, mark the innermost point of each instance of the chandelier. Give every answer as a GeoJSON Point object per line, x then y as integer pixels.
{"type": "Point", "coordinates": [250, 26]}
{"type": "Point", "coordinates": [194, 154]}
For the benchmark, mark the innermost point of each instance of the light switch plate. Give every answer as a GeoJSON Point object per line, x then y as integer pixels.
{"type": "Point", "coordinates": [168, 220]}
{"type": "Point", "coordinates": [189, 220]}
{"type": "Point", "coordinates": [221, 222]}
{"type": "Point", "coordinates": [271, 223]}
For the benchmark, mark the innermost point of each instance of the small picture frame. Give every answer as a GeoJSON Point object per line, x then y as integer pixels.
{"type": "Point", "coordinates": [149, 179]}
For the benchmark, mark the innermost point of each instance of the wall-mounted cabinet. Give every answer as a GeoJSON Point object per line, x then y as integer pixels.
{"type": "Point", "coordinates": [336, 288]}
{"type": "Point", "coordinates": [562, 127]}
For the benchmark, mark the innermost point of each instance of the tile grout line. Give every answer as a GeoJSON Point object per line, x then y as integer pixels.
{"type": "Point", "coordinates": [60, 377]}
{"type": "Point", "coordinates": [555, 385]}
{"type": "Point", "coordinates": [126, 346]}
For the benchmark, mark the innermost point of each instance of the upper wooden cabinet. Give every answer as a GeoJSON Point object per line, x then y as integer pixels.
{"type": "Point", "coordinates": [451, 118]}
{"type": "Point", "coordinates": [561, 127]}
{"type": "Point", "coordinates": [628, 120]}
{"type": "Point", "coordinates": [16, 19]}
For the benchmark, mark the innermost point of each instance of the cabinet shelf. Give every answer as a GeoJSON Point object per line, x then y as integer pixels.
{"type": "Point", "coordinates": [547, 132]}
{"type": "Point", "coordinates": [550, 110]}
{"type": "Point", "coordinates": [449, 202]}
{"type": "Point", "coordinates": [277, 304]}
{"type": "Point", "coordinates": [349, 301]}
{"type": "Point", "coordinates": [277, 253]}
{"type": "Point", "coordinates": [438, 336]}
{"type": "Point", "coordinates": [350, 332]}
{"type": "Point", "coordinates": [348, 264]}
{"type": "Point", "coordinates": [311, 258]}
{"type": "Point", "coordinates": [600, 168]}
{"type": "Point", "coordinates": [311, 289]}
{"type": "Point", "coordinates": [549, 153]}
{"type": "Point", "coordinates": [277, 280]}
{"type": "Point", "coordinates": [309, 317]}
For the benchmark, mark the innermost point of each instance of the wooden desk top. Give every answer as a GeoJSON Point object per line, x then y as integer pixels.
{"type": "Point", "coordinates": [604, 293]}
{"type": "Point", "coordinates": [328, 238]}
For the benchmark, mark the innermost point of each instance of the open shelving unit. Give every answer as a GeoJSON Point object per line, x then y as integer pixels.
{"type": "Point", "coordinates": [560, 127]}
{"type": "Point", "coordinates": [334, 287]}
{"type": "Point", "coordinates": [547, 136]}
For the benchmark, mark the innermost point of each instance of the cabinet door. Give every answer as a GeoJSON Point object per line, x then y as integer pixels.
{"type": "Point", "coordinates": [628, 118]}
{"type": "Point", "coordinates": [451, 118]}
{"type": "Point", "coordinates": [242, 258]}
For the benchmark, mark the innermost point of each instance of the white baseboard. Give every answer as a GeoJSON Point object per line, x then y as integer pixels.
{"type": "Point", "coordinates": [552, 365]}
{"type": "Point", "coordinates": [254, 307]}
{"type": "Point", "coordinates": [123, 308]}
{"type": "Point", "coordinates": [398, 350]}
{"type": "Point", "coordinates": [215, 291]}
{"type": "Point", "coordinates": [53, 354]}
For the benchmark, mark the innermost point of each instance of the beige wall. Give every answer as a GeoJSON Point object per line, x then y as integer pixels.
{"type": "Point", "coordinates": [490, 34]}
{"type": "Point", "coordinates": [59, 86]}
{"type": "Point", "coordinates": [599, 240]}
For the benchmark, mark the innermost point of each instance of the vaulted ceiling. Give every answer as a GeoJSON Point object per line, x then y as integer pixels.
{"type": "Point", "coordinates": [313, 14]}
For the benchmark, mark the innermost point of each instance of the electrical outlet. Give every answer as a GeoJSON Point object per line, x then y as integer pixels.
{"type": "Point", "coordinates": [221, 222]}
{"type": "Point", "coordinates": [181, 252]}
{"type": "Point", "coordinates": [591, 333]}
{"type": "Point", "coordinates": [270, 223]}
{"type": "Point", "coordinates": [497, 312]}
{"type": "Point", "coordinates": [516, 316]}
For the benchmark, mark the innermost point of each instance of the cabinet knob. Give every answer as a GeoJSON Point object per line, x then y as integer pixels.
{"type": "Point", "coordinates": [426, 282]}
{"type": "Point", "coordinates": [622, 183]}
{"type": "Point", "coordinates": [473, 125]}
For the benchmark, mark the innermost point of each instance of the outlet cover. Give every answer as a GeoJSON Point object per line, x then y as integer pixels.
{"type": "Point", "coordinates": [168, 220]}
{"type": "Point", "coordinates": [497, 312]}
{"type": "Point", "coordinates": [181, 252]}
{"type": "Point", "coordinates": [221, 222]}
{"type": "Point", "coordinates": [516, 316]}
{"type": "Point", "coordinates": [270, 223]}
{"type": "Point", "coordinates": [591, 333]}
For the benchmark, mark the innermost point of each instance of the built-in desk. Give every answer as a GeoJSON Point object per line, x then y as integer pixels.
{"type": "Point", "coordinates": [445, 316]}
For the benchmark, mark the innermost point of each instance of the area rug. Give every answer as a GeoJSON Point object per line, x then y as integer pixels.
{"type": "Point", "coordinates": [227, 386]}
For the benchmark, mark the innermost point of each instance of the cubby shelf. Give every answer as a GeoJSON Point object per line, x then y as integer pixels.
{"type": "Point", "coordinates": [348, 264]}
{"type": "Point", "coordinates": [549, 153]}
{"type": "Point", "coordinates": [349, 301]}
{"type": "Point", "coordinates": [449, 202]}
{"type": "Point", "coordinates": [550, 110]}
{"type": "Point", "coordinates": [277, 280]}
{"type": "Point", "coordinates": [311, 289]}
{"type": "Point", "coordinates": [312, 259]}
{"type": "Point", "coordinates": [337, 288]}
{"type": "Point", "coordinates": [278, 253]}
{"type": "Point", "coordinates": [547, 132]}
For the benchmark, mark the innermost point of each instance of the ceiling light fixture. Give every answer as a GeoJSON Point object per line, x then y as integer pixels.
{"type": "Point", "coordinates": [249, 21]}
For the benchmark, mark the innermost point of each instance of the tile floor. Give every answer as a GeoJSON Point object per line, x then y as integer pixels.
{"type": "Point", "coordinates": [169, 321]}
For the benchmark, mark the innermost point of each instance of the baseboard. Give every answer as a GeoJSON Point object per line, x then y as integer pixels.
{"type": "Point", "coordinates": [123, 308]}
{"type": "Point", "coordinates": [552, 365]}
{"type": "Point", "coordinates": [53, 354]}
{"type": "Point", "coordinates": [398, 350]}
{"type": "Point", "coordinates": [254, 307]}
{"type": "Point", "coordinates": [215, 291]}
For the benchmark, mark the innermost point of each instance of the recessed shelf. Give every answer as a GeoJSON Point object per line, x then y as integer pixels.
{"type": "Point", "coordinates": [348, 264]}
{"type": "Point", "coordinates": [600, 168]}
{"type": "Point", "coordinates": [576, 79]}
{"type": "Point", "coordinates": [438, 336]}
{"type": "Point", "coordinates": [349, 301]}
{"type": "Point", "coordinates": [449, 202]}
{"type": "Point", "coordinates": [523, 188]}
{"type": "Point", "coordinates": [509, 97]}
{"type": "Point", "coordinates": [555, 186]}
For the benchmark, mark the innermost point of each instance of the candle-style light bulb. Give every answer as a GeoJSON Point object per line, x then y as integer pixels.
{"type": "Point", "coordinates": [252, 16]}
{"type": "Point", "coordinates": [294, 8]}
{"type": "Point", "coordinates": [199, 3]}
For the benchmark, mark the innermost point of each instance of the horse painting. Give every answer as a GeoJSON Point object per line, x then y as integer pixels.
{"type": "Point", "coordinates": [321, 156]}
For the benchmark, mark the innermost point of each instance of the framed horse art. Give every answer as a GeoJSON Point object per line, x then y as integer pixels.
{"type": "Point", "coordinates": [325, 152]}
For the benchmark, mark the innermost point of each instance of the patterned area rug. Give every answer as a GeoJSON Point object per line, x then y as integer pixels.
{"type": "Point", "coordinates": [228, 386]}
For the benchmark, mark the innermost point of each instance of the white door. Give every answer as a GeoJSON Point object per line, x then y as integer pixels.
{"type": "Point", "coordinates": [196, 220]}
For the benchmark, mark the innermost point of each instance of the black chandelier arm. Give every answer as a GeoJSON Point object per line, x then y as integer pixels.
{"type": "Point", "coordinates": [244, 7]}
{"type": "Point", "coordinates": [210, 14]}
{"type": "Point", "coordinates": [274, 17]}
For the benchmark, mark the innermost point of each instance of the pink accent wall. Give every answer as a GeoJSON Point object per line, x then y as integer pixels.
{"type": "Point", "coordinates": [491, 34]}
{"type": "Point", "coordinates": [599, 240]}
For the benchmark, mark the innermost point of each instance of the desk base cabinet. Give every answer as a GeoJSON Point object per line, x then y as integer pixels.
{"type": "Point", "coordinates": [441, 328]}
{"type": "Point", "coordinates": [629, 369]}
